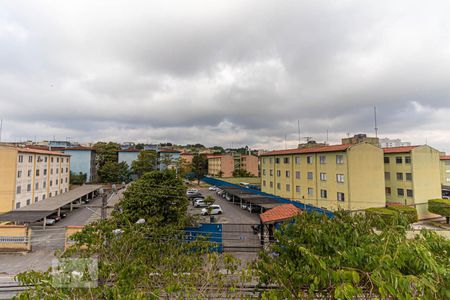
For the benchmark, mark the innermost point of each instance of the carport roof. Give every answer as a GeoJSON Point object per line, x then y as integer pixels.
{"type": "Point", "coordinates": [53, 203]}
{"type": "Point", "coordinates": [279, 213]}
{"type": "Point", "coordinates": [25, 216]}
{"type": "Point", "coordinates": [236, 191]}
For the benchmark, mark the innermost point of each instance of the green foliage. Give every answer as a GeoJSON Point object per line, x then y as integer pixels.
{"type": "Point", "coordinates": [146, 162]}
{"type": "Point", "coordinates": [79, 178]}
{"type": "Point", "coordinates": [242, 173]}
{"type": "Point", "coordinates": [158, 194]}
{"type": "Point", "coordinates": [409, 212]}
{"type": "Point", "coordinates": [114, 172]}
{"type": "Point", "coordinates": [439, 207]}
{"type": "Point", "coordinates": [393, 215]}
{"type": "Point", "coordinates": [105, 152]}
{"type": "Point", "coordinates": [199, 166]}
{"type": "Point", "coordinates": [343, 257]}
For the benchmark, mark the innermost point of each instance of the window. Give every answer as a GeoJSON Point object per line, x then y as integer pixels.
{"type": "Point", "coordinates": [279, 186]}
{"type": "Point", "coordinates": [310, 175]}
{"type": "Point", "coordinates": [271, 184]}
{"type": "Point", "coordinates": [407, 159]}
{"type": "Point", "coordinates": [43, 197]}
{"type": "Point", "coordinates": [36, 199]}
{"type": "Point", "coordinates": [288, 187]}
{"type": "Point", "coordinates": [29, 187]}
{"type": "Point", "coordinates": [398, 160]}
{"type": "Point", "coordinates": [30, 158]}
{"type": "Point", "coordinates": [37, 172]}
{"type": "Point", "coordinates": [339, 159]}
{"type": "Point", "coordinates": [57, 159]}
{"type": "Point", "coordinates": [65, 190]}
{"type": "Point", "coordinates": [67, 160]}
{"type": "Point", "coordinates": [62, 170]}
{"type": "Point", "coordinates": [264, 160]}
{"type": "Point", "coordinates": [66, 179]}
{"type": "Point", "coordinates": [278, 173]}
{"type": "Point", "coordinates": [18, 205]}
{"type": "Point", "coordinates": [323, 176]}
{"type": "Point", "coordinates": [45, 172]}
{"type": "Point", "coordinates": [399, 176]}
{"type": "Point", "coordinates": [388, 191]}
{"type": "Point", "coordinates": [408, 176]}
{"type": "Point", "coordinates": [286, 160]}
{"type": "Point", "coordinates": [400, 192]}
{"type": "Point", "coordinates": [37, 186]}
{"type": "Point", "coordinates": [56, 181]}
{"type": "Point", "coordinates": [51, 183]}
{"type": "Point", "coordinates": [45, 159]}
{"type": "Point", "coordinates": [271, 172]}
{"type": "Point", "coordinates": [322, 159]}
{"type": "Point", "coordinates": [44, 184]}
{"type": "Point", "coordinates": [50, 195]}
{"type": "Point", "coordinates": [264, 171]}
{"type": "Point", "coordinates": [264, 183]}
{"type": "Point", "coordinates": [297, 174]}
{"type": "Point", "coordinates": [51, 171]}
{"type": "Point", "coordinates": [39, 159]}
{"type": "Point", "coordinates": [387, 176]}
{"type": "Point", "coordinates": [288, 174]}
{"type": "Point", "coordinates": [340, 197]}
{"type": "Point", "coordinates": [270, 160]}
{"type": "Point", "coordinates": [19, 174]}
{"type": "Point", "coordinates": [386, 160]}
{"type": "Point", "coordinates": [29, 173]}
{"type": "Point", "coordinates": [51, 159]}
{"type": "Point", "coordinates": [277, 160]}
{"type": "Point", "coordinates": [57, 170]}
{"type": "Point", "coordinates": [340, 178]}
{"type": "Point", "coordinates": [323, 194]}
{"type": "Point", "coordinates": [18, 189]}
{"type": "Point", "coordinates": [56, 193]}
{"type": "Point", "coordinates": [309, 159]}
{"type": "Point", "coordinates": [28, 201]}
{"type": "Point", "coordinates": [20, 158]}
{"type": "Point", "coordinates": [297, 160]}
{"type": "Point", "coordinates": [310, 191]}
{"type": "Point", "coordinates": [297, 189]}
{"type": "Point", "coordinates": [409, 193]}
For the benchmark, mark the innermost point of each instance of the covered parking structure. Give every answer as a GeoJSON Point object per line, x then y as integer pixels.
{"type": "Point", "coordinates": [42, 209]}
{"type": "Point", "coordinates": [242, 196]}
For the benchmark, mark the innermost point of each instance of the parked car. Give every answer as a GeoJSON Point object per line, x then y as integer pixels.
{"type": "Point", "coordinates": [244, 206]}
{"type": "Point", "coordinates": [228, 197]}
{"type": "Point", "coordinates": [253, 209]}
{"type": "Point", "coordinates": [199, 202]}
{"type": "Point", "coordinates": [215, 209]}
{"type": "Point", "coordinates": [55, 217]}
{"type": "Point", "coordinates": [219, 192]}
{"type": "Point", "coordinates": [212, 188]}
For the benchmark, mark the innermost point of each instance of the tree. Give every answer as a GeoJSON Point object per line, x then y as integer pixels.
{"type": "Point", "coordinates": [200, 166]}
{"type": "Point", "coordinates": [157, 194]}
{"type": "Point", "coordinates": [440, 207]}
{"type": "Point", "coordinates": [105, 152]}
{"type": "Point", "coordinates": [114, 172]}
{"type": "Point", "coordinates": [345, 258]}
{"type": "Point", "coordinates": [146, 162]}
{"type": "Point", "coordinates": [78, 179]}
{"type": "Point", "coordinates": [242, 173]}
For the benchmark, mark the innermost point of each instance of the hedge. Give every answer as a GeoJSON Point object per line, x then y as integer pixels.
{"type": "Point", "coordinates": [440, 207]}
{"type": "Point", "coordinates": [390, 215]}
{"type": "Point", "coordinates": [385, 214]}
{"type": "Point", "coordinates": [409, 211]}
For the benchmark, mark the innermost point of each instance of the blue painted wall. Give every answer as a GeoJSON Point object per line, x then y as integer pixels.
{"type": "Point", "coordinates": [128, 157]}
{"type": "Point", "coordinates": [82, 161]}
{"type": "Point", "coordinates": [175, 156]}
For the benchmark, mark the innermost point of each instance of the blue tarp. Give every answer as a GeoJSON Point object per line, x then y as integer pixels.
{"type": "Point", "coordinates": [302, 206]}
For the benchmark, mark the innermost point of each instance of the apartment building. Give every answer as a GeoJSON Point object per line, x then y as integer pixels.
{"type": "Point", "coordinates": [31, 175]}
{"type": "Point", "coordinates": [333, 177]}
{"type": "Point", "coordinates": [82, 160]}
{"type": "Point", "coordinates": [224, 165]}
{"type": "Point", "coordinates": [412, 176]}
{"type": "Point", "coordinates": [445, 170]}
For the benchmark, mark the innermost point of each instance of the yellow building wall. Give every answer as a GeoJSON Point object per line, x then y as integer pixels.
{"type": "Point", "coordinates": [15, 231]}
{"type": "Point", "coordinates": [426, 178]}
{"type": "Point", "coordinates": [366, 180]}
{"type": "Point", "coordinates": [393, 168]}
{"type": "Point", "coordinates": [8, 170]}
{"type": "Point", "coordinates": [445, 172]}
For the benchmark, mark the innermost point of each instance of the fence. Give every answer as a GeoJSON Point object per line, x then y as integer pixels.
{"type": "Point", "coordinates": [302, 206]}
{"type": "Point", "coordinates": [15, 238]}
{"type": "Point", "coordinates": [211, 232]}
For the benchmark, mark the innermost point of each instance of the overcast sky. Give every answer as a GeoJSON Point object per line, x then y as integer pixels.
{"type": "Point", "coordinates": [225, 72]}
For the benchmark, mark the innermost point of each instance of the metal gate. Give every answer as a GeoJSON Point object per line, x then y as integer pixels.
{"type": "Point", "coordinates": [241, 238]}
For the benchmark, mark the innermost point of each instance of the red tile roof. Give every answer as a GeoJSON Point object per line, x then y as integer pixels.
{"type": "Point", "coordinates": [402, 149]}
{"type": "Point", "coordinates": [332, 148]}
{"type": "Point", "coordinates": [40, 151]}
{"type": "Point", "coordinates": [445, 157]}
{"type": "Point", "coordinates": [79, 148]}
{"type": "Point", "coordinates": [280, 213]}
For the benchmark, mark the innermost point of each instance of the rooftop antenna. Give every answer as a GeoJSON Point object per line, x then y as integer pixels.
{"type": "Point", "coordinates": [299, 136]}
{"type": "Point", "coordinates": [375, 119]}
{"type": "Point", "coordinates": [327, 136]}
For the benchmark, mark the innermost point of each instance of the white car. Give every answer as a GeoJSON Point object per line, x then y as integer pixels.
{"type": "Point", "coordinates": [212, 188]}
{"type": "Point", "coordinates": [200, 203]}
{"type": "Point", "coordinates": [215, 209]}
{"type": "Point", "coordinates": [244, 206]}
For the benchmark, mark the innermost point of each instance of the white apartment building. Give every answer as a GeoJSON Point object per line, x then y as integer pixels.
{"type": "Point", "coordinates": [390, 143]}
{"type": "Point", "coordinates": [31, 175]}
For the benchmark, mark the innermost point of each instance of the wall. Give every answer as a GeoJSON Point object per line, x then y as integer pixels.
{"type": "Point", "coordinates": [445, 171]}
{"type": "Point", "coordinates": [20, 233]}
{"type": "Point", "coordinates": [128, 157]}
{"type": "Point", "coordinates": [8, 174]}
{"type": "Point", "coordinates": [250, 164]}
{"type": "Point", "coordinates": [81, 161]}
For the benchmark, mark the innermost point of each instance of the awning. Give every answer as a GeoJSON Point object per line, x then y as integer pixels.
{"type": "Point", "coordinates": [280, 213]}
{"type": "Point", "coordinates": [25, 216]}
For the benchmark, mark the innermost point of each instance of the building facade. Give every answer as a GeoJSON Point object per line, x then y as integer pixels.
{"type": "Point", "coordinates": [333, 177]}
{"type": "Point", "coordinates": [168, 159]}
{"type": "Point", "coordinates": [412, 176]}
{"type": "Point", "coordinates": [31, 175]}
{"type": "Point", "coordinates": [82, 159]}
{"type": "Point", "coordinates": [223, 165]}
{"type": "Point", "coordinates": [388, 143]}
{"type": "Point", "coordinates": [445, 175]}
{"type": "Point", "coordinates": [128, 156]}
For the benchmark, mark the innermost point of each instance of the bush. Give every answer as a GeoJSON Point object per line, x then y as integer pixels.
{"type": "Point", "coordinates": [408, 211]}
{"type": "Point", "coordinates": [380, 214]}
{"type": "Point", "coordinates": [440, 207]}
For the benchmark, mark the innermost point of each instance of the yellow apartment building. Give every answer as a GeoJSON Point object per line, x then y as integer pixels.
{"type": "Point", "coordinates": [445, 170]}
{"type": "Point", "coordinates": [31, 175]}
{"type": "Point", "coordinates": [412, 176]}
{"type": "Point", "coordinates": [346, 176]}
{"type": "Point", "coordinates": [224, 164]}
